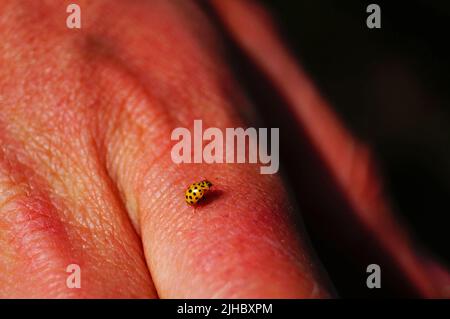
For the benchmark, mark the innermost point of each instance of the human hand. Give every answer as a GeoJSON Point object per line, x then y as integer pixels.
{"type": "Point", "coordinates": [86, 175]}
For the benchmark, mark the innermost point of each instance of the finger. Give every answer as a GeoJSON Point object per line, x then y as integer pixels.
{"type": "Point", "coordinates": [58, 206]}
{"type": "Point", "coordinates": [243, 242]}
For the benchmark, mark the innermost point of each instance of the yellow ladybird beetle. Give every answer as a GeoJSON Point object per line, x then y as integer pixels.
{"type": "Point", "coordinates": [196, 191]}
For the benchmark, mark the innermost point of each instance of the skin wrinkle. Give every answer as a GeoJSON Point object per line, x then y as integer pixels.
{"type": "Point", "coordinates": [140, 62]}
{"type": "Point", "coordinates": [134, 112]}
{"type": "Point", "coordinates": [100, 224]}
{"type": "Point", "coordinates": [117, 197]}
{"type": "Point", "coordinates": [97, 225]}
{"type": "Point", "coordinates": [152, 159]}
{"type": "Point", "coordinates": [58, 177]}
{"type": "Point", "coordinates": [30, 226]}
{"type": "Point", "coordinates": [32, 230]}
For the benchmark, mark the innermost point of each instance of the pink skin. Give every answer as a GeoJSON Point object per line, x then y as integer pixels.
{"type": "Point", "coordinates": [86, 175]}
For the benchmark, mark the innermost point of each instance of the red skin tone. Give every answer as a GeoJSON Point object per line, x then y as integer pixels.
{"type": "Point", "coordinates": [86, 175]}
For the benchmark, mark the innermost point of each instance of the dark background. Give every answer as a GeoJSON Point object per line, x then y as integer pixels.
{"type": "Point", "coordinates": [391, 88]}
